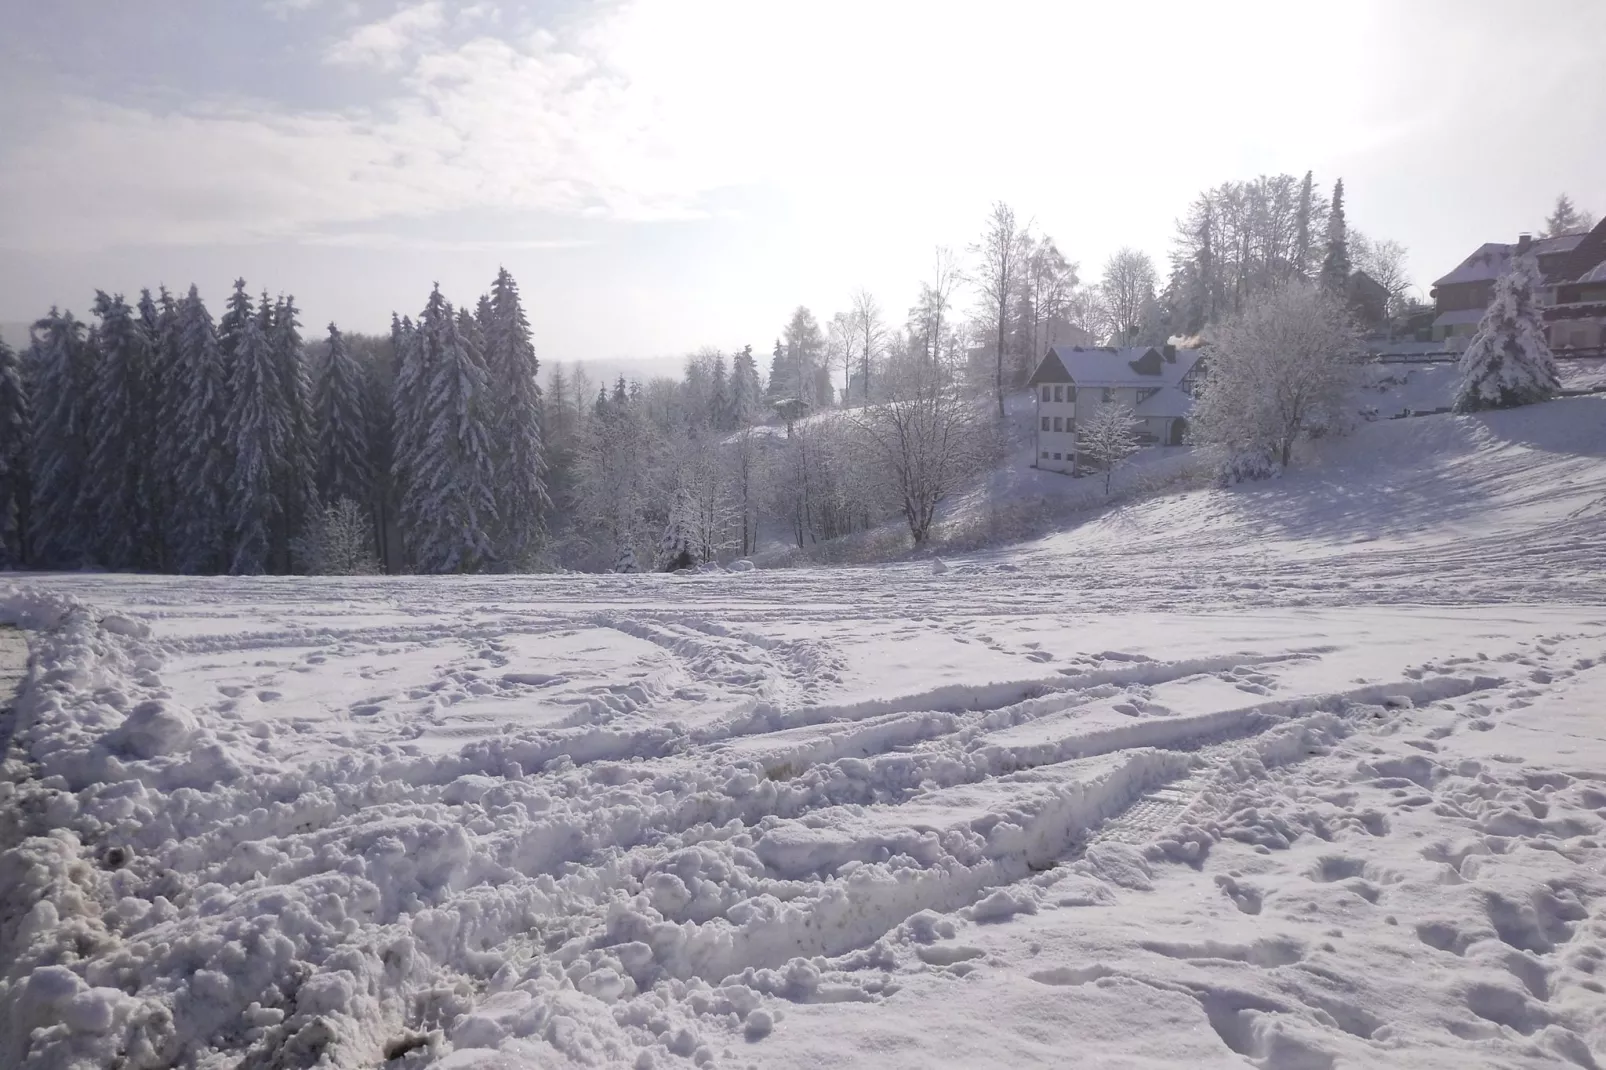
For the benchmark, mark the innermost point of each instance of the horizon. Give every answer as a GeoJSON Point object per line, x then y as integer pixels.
{"type": "Point", "coordinates": [661, 179]}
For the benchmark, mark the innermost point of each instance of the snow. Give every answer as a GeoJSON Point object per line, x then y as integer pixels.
{"type": "Point", "coordinates": [1300, 774]}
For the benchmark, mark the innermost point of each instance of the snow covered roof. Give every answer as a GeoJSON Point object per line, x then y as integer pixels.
{"type": "Point", "coordinates": [1109, 366]}
{"type": "Point", "coordinates": [1464, 315]}
{"type": "Point", "coordinates": [1168, 402]}
{"type": "Point", "coordinates": [1594, 274]}
{"type": "Point", "coordinates": [1493, 258]}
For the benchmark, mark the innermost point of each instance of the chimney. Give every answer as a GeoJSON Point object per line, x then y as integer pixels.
{"type": "Point", "coordinates": [1169, 352]}
{"type": "Point", "coordinates": [1524, 240]}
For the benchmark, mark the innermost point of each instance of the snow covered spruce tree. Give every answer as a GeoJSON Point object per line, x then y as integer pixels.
{"type": "Point", "coordinates": [448, 505]}
{"type": "Point", "coordinates": [521, 494]}
{"type": "Point", "coordinates": [257, 427]}
{"type": "Point", "coordinates": [200, 404]}
{"type": "Point", "coordinates": [340, 414]}
{"type": "Point", "coordinates": [14, 434]}
{"type": "Point", "coordinates": [1108, 437]}
{"type": "Point", "coordinates": [297, 480]}
{"type": "Point", "coordinates": [1283, 368]}
{"type": "Point", "coordinates": [677, 549]}
{"type": "Point", "coordinates": [407, 418]}
{"type": "Point", "coordinates": [1508, 362]}
{"type": "Point", "coordinates": [118, 479]}
{"type": "Point", "coordinates": [159, 317]}
{"type": "Point", "coordinates": [60, 380]}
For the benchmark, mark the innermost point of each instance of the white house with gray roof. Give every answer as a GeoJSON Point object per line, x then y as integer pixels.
{"type": "Point", "coordinates": [1072, 382]}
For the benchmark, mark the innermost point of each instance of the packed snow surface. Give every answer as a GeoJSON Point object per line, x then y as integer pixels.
{"type": "Point", "coordinates": [1309, 774]}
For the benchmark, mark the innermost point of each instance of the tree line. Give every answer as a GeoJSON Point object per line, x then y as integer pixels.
{"type": "Point", "coordinates": [158, 438]}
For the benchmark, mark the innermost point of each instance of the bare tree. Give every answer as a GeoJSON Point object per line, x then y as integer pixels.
{"type": "Point", "coordinates": [1384, 261]}
{"type": "Point", "coordinates": [1282, 368]}
{"type": "Point", "coordinates": [924, 438]}
{"type": "Point", "coordinates": [871, 333]}
{"type": "Point", "coordinates": [1048, 282]}
{"type": "Point", "coordinates": [928, 319]}
{"type": "Point", "coordinates": [842, 332]}
{"type": "Point", "coordinates": [1109, 437]}
{"type": "Point", "coordinates": [1086, 311]}
{"type": "Point", "coordinates": [1000, 257]}
{"type": "Point", "coordinates": [1127, 286]}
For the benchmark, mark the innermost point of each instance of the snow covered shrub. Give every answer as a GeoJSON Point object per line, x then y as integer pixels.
{"type": "Point", "coordinates": [1252, 463]}
{"type": "Point", "coordinates": [339, 542]}
{"type": "Point", "coordinates": [626, 561]}
{"type": "Point", "coordinates": [1283, 369]}
{"type": "Point", "coordinates": [1508, 363]}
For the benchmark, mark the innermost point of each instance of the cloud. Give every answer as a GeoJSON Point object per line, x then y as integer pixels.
{"type": "Point", "coordinates": [384, 43]}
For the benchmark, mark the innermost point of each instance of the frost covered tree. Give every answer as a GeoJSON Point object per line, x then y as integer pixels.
{"type": "Point", "coordinates": [520, 462]}
{"type": "Point", "coordinates": [118, 480]}
{"type": "Point", "coordinates": [1000, 258]}
{"type": "Point", "coordinates": [159, 317]}
{"type": "Point", "coordinates": [747, 392]}
{"type": "Point", "coordinates": [339, 541]}
{"type": "Point", "coordinates": [923, 439]}
{"type": "Point", "coordinates": [677, 548]}
{"type": "Point", "coordinates": [625, 561]}
{"type": "Point", "coordinates": [1108, 437]}
{"type": "Point", "coordinates": [201, 462]}
{"type": "Point", "coordinates": [449, 504]}
{"type": "Point", "coordinates": [1336, 265]}
{"type": "Point", "coordinates": [1127, 288]}
{"type": "Point", "coordinates": [297, 477]}
{"type": "Point", "coordinates": [14, 434]}
{"type": "Point", "coordinates": [870, 340]}
{"type": "Point", "coordinates": [340, 415]}
{"type": "Point", "coordinates": [1508, 362]}
{"type": "Point", "coordinates": [1283, 368]}
{"type": "Point", "coordinates": [60, 380]}
{"type": "Point", "coordinates": [1566, 219]}
{"type": "Point", "coordinates": [258, 431]}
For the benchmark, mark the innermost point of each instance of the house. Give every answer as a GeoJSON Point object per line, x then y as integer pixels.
{"type": "Point", "coordinates": [1071, 382]}
{"type": "Point", "coordinates": [1573, 309]}
{"type": "Point", "coordinates": [1369, 300]}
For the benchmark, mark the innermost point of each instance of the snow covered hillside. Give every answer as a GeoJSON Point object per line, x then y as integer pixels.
{"type": "Point", "coordinates": [1306, 774]}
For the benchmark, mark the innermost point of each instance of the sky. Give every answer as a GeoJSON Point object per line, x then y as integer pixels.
{"type": "Point", "coordinates": [663, 175]}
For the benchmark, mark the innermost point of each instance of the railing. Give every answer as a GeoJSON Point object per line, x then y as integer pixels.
{"type": "Point", "coordinates": [1449, 356]}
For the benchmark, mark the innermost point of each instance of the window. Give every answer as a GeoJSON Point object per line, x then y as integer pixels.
{"type": "Point", "coordinates": [1070, 393]}
{"type": "Point", "coordinates": [1059, 423]}
{"type": "Point", "coordinates": [1059, 393]}
{"type": "Point", "coordinates": [1045, 394]}
{"type": "Point", "coordinates": [1145, 395]}
{"type": "Point", "coordinates": [1109, 394]}
{"type": "Point", "coordinates": [1045, 419]}
{"type": "Point", "coordinates": [1045, 455]}
{"type": "Point", "coordinates": [1056, 456]}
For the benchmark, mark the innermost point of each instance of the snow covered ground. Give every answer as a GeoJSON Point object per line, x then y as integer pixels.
{"type": "Point", "coordinates": [1309, 774]}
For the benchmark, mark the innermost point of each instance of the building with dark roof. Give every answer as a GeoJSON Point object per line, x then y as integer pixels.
{"type": "Point", "coordinates": [1567, 264]}
{"type": "Point", "coordinates": [1070, 383]}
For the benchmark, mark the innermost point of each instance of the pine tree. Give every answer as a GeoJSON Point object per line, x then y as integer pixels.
{"type": "Point", "coordinates": [521, 500]}
{"type": "Point", "coordinates": [202, 460]}
{"type": "Point", "coordinates": [297, 477]}
{"type": "Point", "coordinates": [746, 391]}
{"type": "Point", "coordinates": [231, 325]}
{"type": "Point", "coordinates": [450, 506]}
{"type": "Point", "coordinates": [1303, 228]}
{"type": "Point", "coordinates": [59, 381]}
{"type": "Point", "coordinates": [15, 430]}
{"type": "Point", "coordinates": [258, 430]}
{"type": "Point", "coordinates": [343, 424]}
{"type": "Point", "coordinates": [160, 319]}
{"type": "Point", "coordinates": [118, 479]}
{"type": "Point", "coordinates": [1508, 362]}
{"type": "Point", "coordinates": [626, 559]}
{"type": "Point", "coordinates": [1336, 261]}
{"type": "Point", "coordinates": [783, 378]}
{"type": "Point", "coordinates": [719, 401]}
{"type": "Point", "coordinates": [677, 548]}
{"type": "Point", "coordinates": [1566, 219]}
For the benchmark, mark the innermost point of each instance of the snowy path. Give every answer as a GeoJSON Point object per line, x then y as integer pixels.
{"type": "Point", "coordinates": [1256, 798]}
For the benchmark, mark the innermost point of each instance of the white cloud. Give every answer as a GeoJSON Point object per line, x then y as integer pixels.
{"type": "Point", "coordinates": [385, 43]}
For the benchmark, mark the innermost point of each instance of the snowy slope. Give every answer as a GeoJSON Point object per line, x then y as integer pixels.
{"type": "Point", "coordinates": [1306, 774]}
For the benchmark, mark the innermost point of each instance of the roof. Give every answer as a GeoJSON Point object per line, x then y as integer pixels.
{"type": "Point", "coordinates": [1594, 274]}
{"type": "Point", "coordinates": [1493, 259]}
{"type": "Point", "coordinates": [1108, 366]}
{"type": "Point", "coordinates": [1464, 315]}
{"type": "Point", "coordinates": [1168, 402]}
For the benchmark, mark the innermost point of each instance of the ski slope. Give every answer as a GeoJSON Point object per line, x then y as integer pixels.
{"type": "Point", "coordinates": [1309, 774]}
